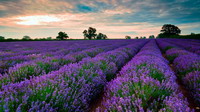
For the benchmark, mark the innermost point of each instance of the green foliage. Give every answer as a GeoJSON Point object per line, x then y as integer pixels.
{"type": "Point", "coordinates": [167, 48]}
{"type": "Point", "coordinates": [47, 67]}
{"type": "Point", "coordinates": [142, 37]}
{"type": "Point", "coordinates": [149, 94]}
{"type": "Point", "coordinates": [49, 38]}
{"type": "Point", "coordinates": [62, 36]}
{"type": "Point", "coordinates": [171, 58]}
{"type": "Point", "coordinates": [151, 37]}
{"type": "Point", "coordinates": [2, 38]}
{"type": "Point", "coordinates": [154, 73]}
{"type": "Point", "coordinates": [191, 36]}
{"type": "Point", "coordinates": [90, 33]}
{"type": "Point", "coordinates": [4, 80]}
{"type": "Point", "coordinates": [182, 74]}
{"type": "Point", "coordinates": [101, 36]}
{"type": "Point", "coordinates": [26, 37]}
{"type": "Point", "coordinates": [128, 37]}
{"type": "Point", "coordinates": [169, 31]}
{"type": "Point", "coordinates": [23, 72]}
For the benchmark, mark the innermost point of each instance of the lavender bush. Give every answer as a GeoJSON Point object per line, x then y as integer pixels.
{"type": "Point", "coordinates": [146, 83]}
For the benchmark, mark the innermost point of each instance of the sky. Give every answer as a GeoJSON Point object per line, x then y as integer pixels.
{"type": "Point", "coordinates": [115, 18]}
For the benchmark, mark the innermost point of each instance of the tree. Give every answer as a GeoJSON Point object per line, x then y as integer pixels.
{"type": "Point", "coordinates": [26, 37]}
{"type": "Point", "coordinates": [151, 37]}
{"type": "Point", "coordinates": [136, 37]}
{"type": "Point", "coordinates": [101, 36]}
{"type": "Point", "coordinates": [2, 38]}
{"type": "Point", "coordinates": [9, 39]}
{"type": "Point", "coordinates": [169, 30]}
{"type": "Point", "coordinates": [62, 36]}
{"type": "Point", "coordinates": [49, 38]}
{"type": "Point", "coordinates": [127, 37]}
{"type": "Point", "coordinates": [90, 33]}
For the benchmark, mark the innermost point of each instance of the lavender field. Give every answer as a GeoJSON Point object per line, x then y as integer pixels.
{"type": "Point", "coordinates": [136, 75]}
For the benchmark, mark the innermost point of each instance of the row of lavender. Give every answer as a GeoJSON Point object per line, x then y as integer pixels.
{"type": "Point", "coordinates": [43, 50]}
{"type": "Point", "coordinates": [15, 55]}
{"type": "Point", "coordinates": [42, 65]}
{"type": "Point", "coordinates": [145, 84]}
{"type": "Point", "coordinates": [193, 46]}
{"type": "Point", "coordinates": [71, 88]}
{"type": "Point", "coordinates": [187, 66]}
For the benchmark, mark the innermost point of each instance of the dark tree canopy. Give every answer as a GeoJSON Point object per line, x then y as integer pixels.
{"type": "Point", "coordinates": [136, 37]}
{"type": "Point", "coordinates": [49, 38]}
{"type": "Point", "coordinates": [26, 37]}
{"type": "Point", "coordinates": [90, 33]}
{"type": "Point", "coordinates": [62, 36]}
{"type": "Point", "coordinates": [101, 36]}
{"type": "Point", "coordinates": [2, 38]}
{"type": "Point", "coordinates": [142, 37]}
{"type": "Point", "coordinates": [151, 37]}
{"type": "Point", "coordinates": [127, 37]}
{"type": "Point", "coordinates": [170, 29]}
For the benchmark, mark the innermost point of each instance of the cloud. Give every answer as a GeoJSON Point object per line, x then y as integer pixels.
{"type": "Point", "coordinates": [37, 20]}
{"type": "Point", "coordinates": [116, 18]}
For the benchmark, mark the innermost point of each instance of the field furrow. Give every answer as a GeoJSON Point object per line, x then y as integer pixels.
{"type": "Point", "coordinates": [143, 75]}
{"type": "Point", "coordinates": [72, 87]}
{"type": "Point", "coordinates": [186, 66]}
{"type": "Point", "coordinates": [146, 83]}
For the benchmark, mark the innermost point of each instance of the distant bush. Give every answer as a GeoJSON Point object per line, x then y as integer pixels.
{"type": "Point", "coordinates": [26, 37]}
{"type": "Point", "coordinates": [49, 38]}
{"type": "Point", "coordinates": [151, 37]}
{"type": "Point", "coordinates": [101, 36]}
{"type": "Point", "coordinates": [127, 37]}
{"type": "Point", "coordinates": [136, 37]}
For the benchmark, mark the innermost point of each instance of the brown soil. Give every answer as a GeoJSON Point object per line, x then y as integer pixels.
{"type": "Point", "coordinates": [98, 102]}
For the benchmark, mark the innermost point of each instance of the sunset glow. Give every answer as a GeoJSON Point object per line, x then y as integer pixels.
{"type": "Point", "coordinates": [115, 18]}
{"type": "Point", "coordinates": [37, 20]}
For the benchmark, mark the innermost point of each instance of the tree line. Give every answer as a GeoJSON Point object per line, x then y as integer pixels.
{"type": "Point", "coordinates": [167, 31]}
{"type": "Point", "coordinates": [91, 33]}
{"type": "Point", "coordinates": [172, 31]}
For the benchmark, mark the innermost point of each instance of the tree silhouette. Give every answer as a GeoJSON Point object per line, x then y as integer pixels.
{"type": "Point", "coordinates": [127, 37]}
{"type": "Point", "coordinates": [62, 36]}
{"type": "Point", "coordinates": [101, 36]}
{"type": "Point", "coordinates": [49, 38]}
{"type": "Point", "coordinates": [170, 29]}
{"type": "Point", "coordinates": [151, 37]}
{"type": "Point", "coordinates": [2, 38]}
{"type": "Point", "coordinates": [26, 37]}
{"type": "Point", "coordinates": [90, 33]}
